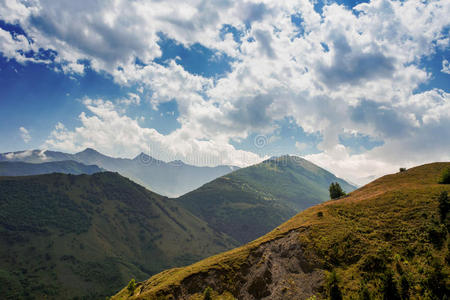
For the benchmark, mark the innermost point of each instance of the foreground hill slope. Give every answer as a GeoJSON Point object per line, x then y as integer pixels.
{"type": "Point", "coordinates": [65, 236]}
{"type": "Point", "coordinates": [18, 168]}
{"type": "Point", "coordinates": [171, 179]}
{"type": "Point", "coordinates": [386, 236]}
{"type": "Point", "coordinates": [250, 202]}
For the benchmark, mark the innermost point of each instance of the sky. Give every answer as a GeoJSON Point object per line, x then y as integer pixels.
{"type": "Point", "coordinates": [360, 88]}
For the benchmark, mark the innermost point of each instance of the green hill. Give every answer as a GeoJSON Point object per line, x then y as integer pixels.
{"type": "Point", "coordinates": [386, 238]}
{"type": "Point", "coordinates": [65, 236]}
{"type": "Point", "coordinates": [18, 168]}
{"type": "Point", "coordinates": [250, 202]}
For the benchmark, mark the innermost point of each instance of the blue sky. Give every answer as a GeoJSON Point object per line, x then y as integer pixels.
{"type": "Point", "coordinates": [358, 87]}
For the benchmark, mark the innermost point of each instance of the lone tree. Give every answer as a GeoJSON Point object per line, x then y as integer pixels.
{"type": "Point", "coordinates": [335, 190]}
{"type": "Point", "coordinates": [445, 177]}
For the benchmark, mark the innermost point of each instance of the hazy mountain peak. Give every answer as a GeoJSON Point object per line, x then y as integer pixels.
{"type": "Point", "coordinates": [19, 168]}
{"type": "Point", "coordinates": [177, 162]}
{"type": "Point", "coordinates": [89, 151]}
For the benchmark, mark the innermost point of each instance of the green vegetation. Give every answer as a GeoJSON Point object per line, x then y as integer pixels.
{"type": "Point", "coordinates": [336, 191]}
{"type": "Point", "coordinates": [405, 286]}
{"type": "Point", "coordinates": [444, 205]}
{"type": "Point", "coordinates": [250, 202]}
{"type": "Point", "coordinates": [334, 291]}
{"type": "Point", "coordinates": [67, 236]}
{"type": "Point", "coordinates": [386, 236]}
{"type": "Point", "coordinates": [30, 206]}
{"type": "Point", "coordinates": [389, 287]}
{"type": "Point", "coordinates": [207, 294]}
{"type": "Point", "coordinates": [131, 286]}
{"type": "Point", "coordinates": [445, 177]}
{"type": "Point", "coordinates": [402, 169]}
{"type": "Point", "coordinates": [364, 293]}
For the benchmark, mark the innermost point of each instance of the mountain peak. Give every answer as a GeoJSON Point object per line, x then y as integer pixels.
{"type": "Point", "coordinates": [285, 158]}
{"type": "Point", "coordinates": [177, 162]}
{"type": "Point", "coordinates": [90, 151]}
{"type": "Point", "coordinates": [142, 155]}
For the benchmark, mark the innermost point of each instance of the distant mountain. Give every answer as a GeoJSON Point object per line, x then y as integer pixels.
{"type": "Point", "coordinates": [249, 202]}
{"type": "Point", "coordinates": [65, 236]}
{"type": "Point", "coordinates": [167, 178]}
{"type": "Point", "coordinates": [17, 168]}
{"type": "Point", "coordinates": [386, 240]}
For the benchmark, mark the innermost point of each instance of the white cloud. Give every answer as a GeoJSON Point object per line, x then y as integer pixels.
{"type": "Point", "coordinates": [131, 99]}
{"type": "Point", "coordinates": [345, 70]}
{"type": "Point", "coordinates": [116, 134]}
{"type": "Point", "coordinates": [300, 146]}
{"type": "Point", "coordinates": [25, 134]}
{"type": "Point", "coordinates": [445, 67]}
{"type": "Point", "coordinates": [19, 155]}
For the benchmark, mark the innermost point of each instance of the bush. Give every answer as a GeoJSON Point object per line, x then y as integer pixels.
{"type": "Point", "coordinates": [436, 281]}
{"type": "Point", "coordinates": [131, 285]}
{"type": "Point", "coordinates": [364, 293]}
{"type": "Point", "coordinates": [207, 294]}
{"type": "Point", "coordinates": [444, 205]}
{"type": "Point", "coordinates": [402, 169]}
{"type": "Point", "coordinates": [335, 190]}
{"type": "Point", "coordinates": [333, 287]}
{"type": "Point", "coordinates": [389, 287]}
{"type": "Point", "coordinates": [320, 214]}
{"type": "Point", "coordinates": [373, 263]}
{"type": "Point", "coordinates": [437, 235]}
{"type": "Point", "coordinates": [445, 177]}
{"type": "Point", "coordinates": [404, 287]}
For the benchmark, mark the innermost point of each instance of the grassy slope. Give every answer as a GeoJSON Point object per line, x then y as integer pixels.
{"type": "Point", "coordinates": [250, 202]}
{"type": "Point", "coordinates": [389, 224]}
{"type": "Point", "coordinates": [65, 235]}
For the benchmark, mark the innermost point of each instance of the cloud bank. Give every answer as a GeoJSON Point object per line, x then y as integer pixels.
{"type": "Point", "coordinates": [335, 71]}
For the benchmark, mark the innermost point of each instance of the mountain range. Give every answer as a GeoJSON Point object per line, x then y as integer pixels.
{"type": "Point", "coordinates": [18, 168]}
{"type": "Point", "coordinates": [386, 240]}
{"type": "Point", "coordinates": [85, 236]}
{"type": "Point", "coordinates": [171, 179]}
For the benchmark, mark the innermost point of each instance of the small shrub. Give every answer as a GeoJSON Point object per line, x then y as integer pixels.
{"type": "Point", "coordinates": [320, 214]}
{"type": "Point", "coordinates": [333, 287]}
{"type": "Point", "coordinates": [389, 287]}
{"type": "Point", "coordinates": [437, 235]}
{"type": "Point", "coordinates": [404, 287]}
{"type": "Point", "coordinates": [373, 263]}
{"type": "Point", "coordinates": [364, 293]}
{"type": "Point", "coordinates": [444, 205]}
{"type": "Point", "coordinates": [436, 281]}
{"type": "Point", "coordinates": [131, 285]}
{"type": "Point", "coordinates": [207, 294]}
{"type": "Point", "coordinates": [402, 170]}
{"type": "Point", "coordinates": [445, 177]}
{"type": "Point", "coordinates": [336, 190]}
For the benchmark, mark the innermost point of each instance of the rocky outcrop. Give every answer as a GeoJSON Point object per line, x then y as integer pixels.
{"type": "Point", "coordinates": [278, 269]}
